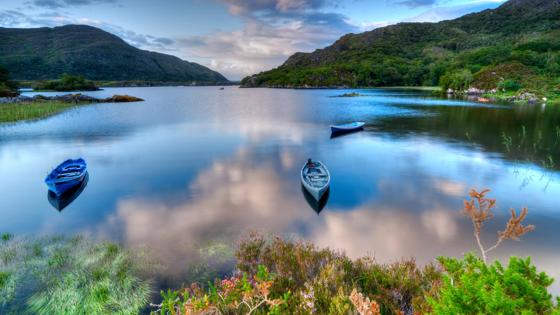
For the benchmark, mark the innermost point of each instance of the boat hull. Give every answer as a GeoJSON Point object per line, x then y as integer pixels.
{"type": "Point", "coordinates": [338, 129]}
{"type": "Point", "coordinates": [59, 188]}
{"type": "Point", "coordinates": [315, 193]}
{"type": "Point", "coordinates": [63, 200]}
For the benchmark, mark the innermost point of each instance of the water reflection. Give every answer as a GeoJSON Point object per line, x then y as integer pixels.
{"type": "Point", "coordinates": [60, 202]}
{"type": "Point", "coordinates": [343, 134]}
{"type": "Point", "coordinates": [397, 187]}
{"type": "Point", "coordinates": [316, 205]}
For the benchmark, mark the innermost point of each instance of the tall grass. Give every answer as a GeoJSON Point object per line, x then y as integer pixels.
{"type": "Point", "coordinates": [13, 112]}
{"type": "Point", "coordinates": [59, 275]}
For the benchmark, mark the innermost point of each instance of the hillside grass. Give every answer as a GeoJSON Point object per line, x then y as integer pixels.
{"type": "Point", "coordinates": [14, 112]}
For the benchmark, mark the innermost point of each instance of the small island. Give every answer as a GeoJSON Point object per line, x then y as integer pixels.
{"type": "Point", "coordinates": [67, 83]}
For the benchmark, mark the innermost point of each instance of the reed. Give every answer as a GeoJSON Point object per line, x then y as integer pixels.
{"type": "Point", "coordinates": [60, 275]}
{"type": "Point", "coordinates": [13, 112]}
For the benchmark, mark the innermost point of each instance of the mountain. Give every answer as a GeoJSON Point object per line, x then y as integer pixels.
{"type": "Point", "coordinates": [47, 53]}
{"type": "Point", "coordinates": [525, 32]}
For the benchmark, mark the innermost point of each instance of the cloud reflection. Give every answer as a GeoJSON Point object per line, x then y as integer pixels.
{"type": "Point", "coordinates": [415, 217]}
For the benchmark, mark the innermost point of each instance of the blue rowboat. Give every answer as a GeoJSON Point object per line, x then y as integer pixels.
{"type": "Point", "coordinates": [316, 178]}
{"type": "Point", "coordinates": [66, 176]}
{"type": "Point", "coordinates": [350, 127]}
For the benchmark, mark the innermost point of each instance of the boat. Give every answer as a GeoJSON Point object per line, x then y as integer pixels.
{"type": "Point", "coordinates": [66, 176]}
{"type": "Point", "coordinates": [59, 202]}
{"type": "Point", "coordinates": [350, 127]}
{"type": "Point", "coordinates": [316, 178]}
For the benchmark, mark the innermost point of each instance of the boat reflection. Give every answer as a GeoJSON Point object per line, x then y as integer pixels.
{"type": "Point", "coordinates": [342, 134]}
{"type": "Point", "coordinates": [319, 205]}
{"type": "Point", "coordinates": [64, 200]}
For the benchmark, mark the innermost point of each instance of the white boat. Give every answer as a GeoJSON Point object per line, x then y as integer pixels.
{"type": "Point", "coordinates": [354, 126]}
{"type": "Point", "coordinates": [316, 178]}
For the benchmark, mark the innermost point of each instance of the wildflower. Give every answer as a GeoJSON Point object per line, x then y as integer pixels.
{"type": "Point", "coordinates": [363, 305]}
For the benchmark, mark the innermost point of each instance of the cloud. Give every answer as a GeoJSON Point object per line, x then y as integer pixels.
{"type": "Point", "coordinates": [441, 13]}
{"type": "Point", "coordinates": [415, 3]}
{"type": "Point", "coordinates": [240, 7]}
{"type": "Point", "coordinates": [55, 4]}
{"type": "Point", "coordinates": [272, 31]}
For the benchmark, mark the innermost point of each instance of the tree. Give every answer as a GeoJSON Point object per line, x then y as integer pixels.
{"type": "Point", "coordinates": [458, 80]}
{"type": "Point", "coordinates": [7, 87]}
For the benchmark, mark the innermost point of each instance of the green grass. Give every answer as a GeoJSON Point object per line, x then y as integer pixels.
{"type": "Point", "coordinates": [62, 275]}
{"type": "Point", "coordinates": [14, 112]}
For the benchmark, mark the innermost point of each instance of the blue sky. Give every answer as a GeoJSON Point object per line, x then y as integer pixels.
{"type": "Point", "coordinates": [235, 37]}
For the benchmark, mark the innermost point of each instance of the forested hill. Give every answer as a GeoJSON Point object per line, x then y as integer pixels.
{"type": "Point", "coordinates": [521, 38]}
{"type": "Point", "coordinates": [47, 53]}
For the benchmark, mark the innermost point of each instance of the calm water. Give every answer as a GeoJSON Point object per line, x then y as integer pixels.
{"type": "Point", "coordinates": [195, 167]}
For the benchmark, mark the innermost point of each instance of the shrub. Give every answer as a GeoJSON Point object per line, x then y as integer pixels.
{"type": "Point", "coordinates": [302, 279]}
{"type": "Point", "coordinates": [458, 80]}
{"type": "Point", "coordinates": [479, 209]}
{"type": "Point", "coordinates": [509, 86]}
{"type": "Point", "coordinates": [470, 286]}
{"type": "Point", "coordinates": [68, 83]}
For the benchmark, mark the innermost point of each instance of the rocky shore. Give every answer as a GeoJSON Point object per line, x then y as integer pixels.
{"type": "Point", "coordinates": [70, 98]}
{"type": "Point", "coordinates": [521, 96]}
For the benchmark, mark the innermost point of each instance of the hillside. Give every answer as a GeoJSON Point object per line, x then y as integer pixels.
{"type": "Point", "coordinates": [47, 53]}
{"type": "Point", "coordinates": [519, 32]}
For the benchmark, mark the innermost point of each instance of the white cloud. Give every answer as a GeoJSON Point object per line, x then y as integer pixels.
{"type": "Point", "coordinates": [441, 13]}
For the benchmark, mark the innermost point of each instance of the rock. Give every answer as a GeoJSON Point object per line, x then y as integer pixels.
{"type": "Point", "coordinates": [40, 97]}
{"type": "Point", "coordinates": [16, 99]}
{"type": "Point", "coordinates": [122, 99]}
{"type": "Point", "coordinates": [474, 91]}
{"type": "Point", "coordinates": [450, 91]}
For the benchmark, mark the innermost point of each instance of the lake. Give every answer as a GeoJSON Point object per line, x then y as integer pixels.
{"type": "Point", "coordinates": [189, 171]}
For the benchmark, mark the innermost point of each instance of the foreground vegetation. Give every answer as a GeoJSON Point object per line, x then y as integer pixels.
{"type": "Point", "coordinates": [13, 112]}
{"type": "Point", "coordinates": [61, 275]}
{"type": "Point", "coordinates": [279, 277]}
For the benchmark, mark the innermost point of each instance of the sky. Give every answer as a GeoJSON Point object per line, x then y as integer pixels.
{"type": "Point", "coordinates": [235, 37]}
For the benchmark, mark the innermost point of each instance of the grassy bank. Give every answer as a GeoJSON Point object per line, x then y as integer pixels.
{"type": "Point", "coordinates": [14, 112]}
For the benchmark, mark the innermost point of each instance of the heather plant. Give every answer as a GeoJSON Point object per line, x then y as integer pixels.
{"type": "Point", "coordinates": [470, 286]}
{"type": "Point", "coordinates": [275, 275]}
{"type": "Point", "coordinates": [239, 294]}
